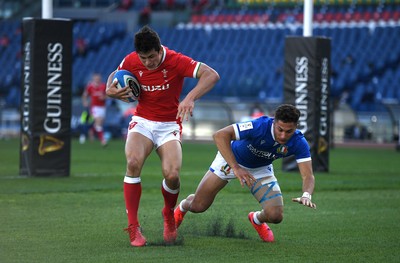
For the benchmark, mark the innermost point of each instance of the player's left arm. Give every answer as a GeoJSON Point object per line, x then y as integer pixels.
{"type": "Point", "coordinates": [207, 78]}
{"type": "Point", "coordinates": [307, 175]}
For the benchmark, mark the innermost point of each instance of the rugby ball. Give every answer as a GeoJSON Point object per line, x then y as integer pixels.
{"type": "Point", "coordinates": [127, 79]}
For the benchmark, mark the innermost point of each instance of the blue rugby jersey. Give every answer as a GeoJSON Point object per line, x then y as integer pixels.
{"type": "Point", "coordinates": [255, 145]}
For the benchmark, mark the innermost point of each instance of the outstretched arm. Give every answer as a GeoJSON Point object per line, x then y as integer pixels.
{"type": "Point", "coordinates": [307, 175]}
{"type": "Point", "coordinates": [207, 78]}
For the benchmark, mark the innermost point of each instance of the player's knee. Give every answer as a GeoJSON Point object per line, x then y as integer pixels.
{"type": "Point", "coordinates": [133, 164]}
{"type": "Point", "coordinates": [275, 218]}
{"type": "Point", "coordinates": [197, 207]}
{"type": "Point", "coordinates": [171, 174]}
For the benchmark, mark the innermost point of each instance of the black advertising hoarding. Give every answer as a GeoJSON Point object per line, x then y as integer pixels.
{"type": "Point", "coordinates": [46, 97]}
{"type": "Point", "coordinates": [307, 86]}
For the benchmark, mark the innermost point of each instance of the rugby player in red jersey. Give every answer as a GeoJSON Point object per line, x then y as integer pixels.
{"type": "Point", "coordinates": [157, 123]}
{"type": "Point", "coordinates": [96, 91]}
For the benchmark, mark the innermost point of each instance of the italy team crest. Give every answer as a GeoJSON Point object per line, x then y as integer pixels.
{"type": "Point", "coordinates": [283, 149]}
{"type": "Point", "coordinates": [226, 169]}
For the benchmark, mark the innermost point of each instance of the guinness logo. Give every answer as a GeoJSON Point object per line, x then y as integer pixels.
{"type": "Point", "coordinates": [24, 142]}
{"type": "Point", "coordinates": [49, 144]}
{"type": "Point", "coordinates": [322, 145]}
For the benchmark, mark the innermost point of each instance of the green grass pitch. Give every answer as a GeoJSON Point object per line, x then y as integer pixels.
{"type": "Point", "coordinates": [80, 218]}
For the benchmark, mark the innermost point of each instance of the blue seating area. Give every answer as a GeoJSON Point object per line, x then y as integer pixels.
{"type": "Point", "coordinates": [250, 59]}
{"type": "Point", "coordinates": [103, 50]}
{"type": "Point", "coordinates": [10, 63]}
{"type": "Point", "coordinates": [245, 58]}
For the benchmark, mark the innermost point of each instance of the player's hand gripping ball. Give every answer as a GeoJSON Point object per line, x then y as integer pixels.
{"type": "Point", "coordinates": [127, 79]}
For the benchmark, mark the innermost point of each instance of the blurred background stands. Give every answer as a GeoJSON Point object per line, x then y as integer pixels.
{"type": "Point", "coordinates": [244, 42]}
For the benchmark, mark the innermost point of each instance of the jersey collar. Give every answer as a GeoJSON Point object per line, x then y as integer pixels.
{"type": "Point", "coordinates": [272, 130]}
{"type": "Point", "coordinates": [163, 56]}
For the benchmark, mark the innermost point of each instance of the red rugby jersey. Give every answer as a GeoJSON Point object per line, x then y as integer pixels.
{"type": "Point", "coordinates": [97, 94]}
{"type": "Point", "coordinates": [161, 87]}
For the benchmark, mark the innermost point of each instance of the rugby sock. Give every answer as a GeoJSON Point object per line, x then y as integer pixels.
{"type": "Point", "coordinates": [99, 132]}
{"type": "Point", "coordinates": [170, 197]}
{"type": "Point", "coordinates": [255, 219]}
{"type": "Point", "coordinates": [181, 207]}
{"type": "Point", "coordinates": [132, 193]}
{"type": "Point", "coordinates": [101, 136]}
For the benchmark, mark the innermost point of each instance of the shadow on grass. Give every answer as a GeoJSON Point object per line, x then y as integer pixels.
{"type": "Point", "coordinates": [217, 227]}
{"type": "Point", "coordinates": [214, 228]}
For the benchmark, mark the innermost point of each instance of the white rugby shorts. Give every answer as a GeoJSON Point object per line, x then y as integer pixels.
{"type": "Point", "coordinates": [158, 132]}
{"type": "Point", "coordinates": [98, 111]}
{"type": "Point", "coordinates": [225, 172]}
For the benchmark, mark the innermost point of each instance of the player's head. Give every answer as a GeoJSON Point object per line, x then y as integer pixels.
{"type": "Point", "coordinates": [96, 78]}
{"type": "Point", "coordinates": [287, 113]}
{"type": "Point", "coordinates": [148, 47]}
{"type": "Point", "coordinates": [285, 122]}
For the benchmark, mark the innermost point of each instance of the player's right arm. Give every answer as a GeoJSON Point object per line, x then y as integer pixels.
{"type": "Point", "coordinates": [222, 139]}
{"type": "Point", "coordinates": [113, 92]}
{"type": "Point", "coordinates": [307, 175]}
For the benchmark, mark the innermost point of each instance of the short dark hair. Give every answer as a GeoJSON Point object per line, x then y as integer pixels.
{"type": "Point", "coordinates": [287, 113]}
{"type": "Point", "coordinates": [146, 40]}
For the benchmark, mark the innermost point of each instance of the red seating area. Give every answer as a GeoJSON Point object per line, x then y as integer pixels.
{"type": "Point", "coordinates": [229, 18]}
{"type": "Point", "coordinates": [284, 17]}
{"type": "Point", "coordinates": [357, 16]}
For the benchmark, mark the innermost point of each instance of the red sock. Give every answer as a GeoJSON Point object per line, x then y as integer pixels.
{"type": "Point", "coordinates": [132, 193]}
{"type": "Point", "coordinates": [170, 197]}
{"type": "Point", "coordinates": [100, 134]}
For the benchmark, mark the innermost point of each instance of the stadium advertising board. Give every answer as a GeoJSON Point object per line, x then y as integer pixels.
{"type": "Point", "coordinates": [306, 85]}
{"type": "Point", "coordinates": [46, 97]}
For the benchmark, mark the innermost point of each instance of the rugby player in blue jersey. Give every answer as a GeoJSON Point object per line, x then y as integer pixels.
{"type": "Point", "coordinates": [246, 151]}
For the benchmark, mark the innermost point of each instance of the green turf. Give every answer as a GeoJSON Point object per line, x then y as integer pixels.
{"type": "Point", "coordinates": [81, 218]}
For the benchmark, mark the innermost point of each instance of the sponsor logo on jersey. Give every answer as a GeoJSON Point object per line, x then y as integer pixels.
{"type": "Point", "coordinates": [245, 126]}
{"type": "Point", "coordinates": [155, 88]}
{"type": "Point", "coordinates": [261, 154]}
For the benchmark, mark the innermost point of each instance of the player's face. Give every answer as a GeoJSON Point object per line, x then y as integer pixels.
{"type": "Point", "coordinates": [283, 131]}
{"type": "Point", "coordinates": [152, 59]}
